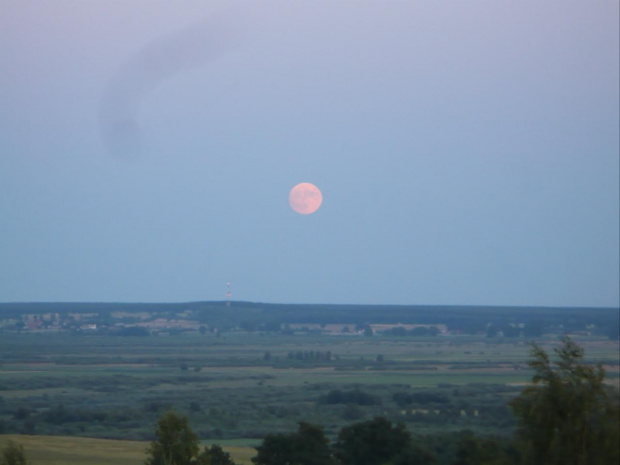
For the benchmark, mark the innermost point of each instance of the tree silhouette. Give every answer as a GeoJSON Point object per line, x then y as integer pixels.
{"type": "Point", "coordinates": [214, 456]}
{"type": "Point", "coordinates": [378, 442]}
{"type": "Point", "coordinates": [308, 446]}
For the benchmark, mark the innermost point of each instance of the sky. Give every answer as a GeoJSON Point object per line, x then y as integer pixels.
{"type": "Point", "coordinates": [467, 152]}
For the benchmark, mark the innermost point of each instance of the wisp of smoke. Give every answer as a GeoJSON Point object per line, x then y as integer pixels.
{"type": "Point", "coordinates": [161, 59]}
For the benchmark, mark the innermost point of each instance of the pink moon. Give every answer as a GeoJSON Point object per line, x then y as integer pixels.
{"type": "Point", "coordinates": [305, 198]}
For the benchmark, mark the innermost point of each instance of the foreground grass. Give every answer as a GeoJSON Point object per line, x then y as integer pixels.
{"type": "Point", "coordinates": [61, 450]}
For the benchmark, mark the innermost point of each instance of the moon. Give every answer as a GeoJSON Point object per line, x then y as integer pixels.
{"type": "Point", "coordinates": [305, 198]}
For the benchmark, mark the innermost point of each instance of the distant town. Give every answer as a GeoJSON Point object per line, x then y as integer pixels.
{"type": "Point", "coordinates": [342, 320]}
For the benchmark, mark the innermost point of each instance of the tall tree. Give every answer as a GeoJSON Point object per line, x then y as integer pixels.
{"type": "Point", "coordinates": [567, 416]}
{"type": "Point", "coordinates": [176, 443]}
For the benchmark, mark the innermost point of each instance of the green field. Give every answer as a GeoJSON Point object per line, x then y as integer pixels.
{"type": "Point", "coordinates": [55, 450]}
{"type": "Point", "coordinates": [79, 397]}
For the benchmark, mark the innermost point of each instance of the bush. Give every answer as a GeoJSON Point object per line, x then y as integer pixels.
{"type": "Point", "coordinates": [13, 454]}
{"type": "Point", "coordinates": [355, 397]}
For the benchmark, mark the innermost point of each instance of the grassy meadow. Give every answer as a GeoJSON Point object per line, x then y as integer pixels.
{"type": "Point", "coordinates": [56, 450]}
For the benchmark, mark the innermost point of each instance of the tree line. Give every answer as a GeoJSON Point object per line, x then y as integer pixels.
{"type": "Point", "coordinates": [254, 316]}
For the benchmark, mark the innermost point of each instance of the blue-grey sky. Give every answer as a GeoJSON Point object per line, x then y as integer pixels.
{"type": "Point", "coordinates": [467, 152]}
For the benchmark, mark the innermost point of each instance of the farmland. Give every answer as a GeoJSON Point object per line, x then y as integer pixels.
{"type": "Point", "coordinates": [241, 378]}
